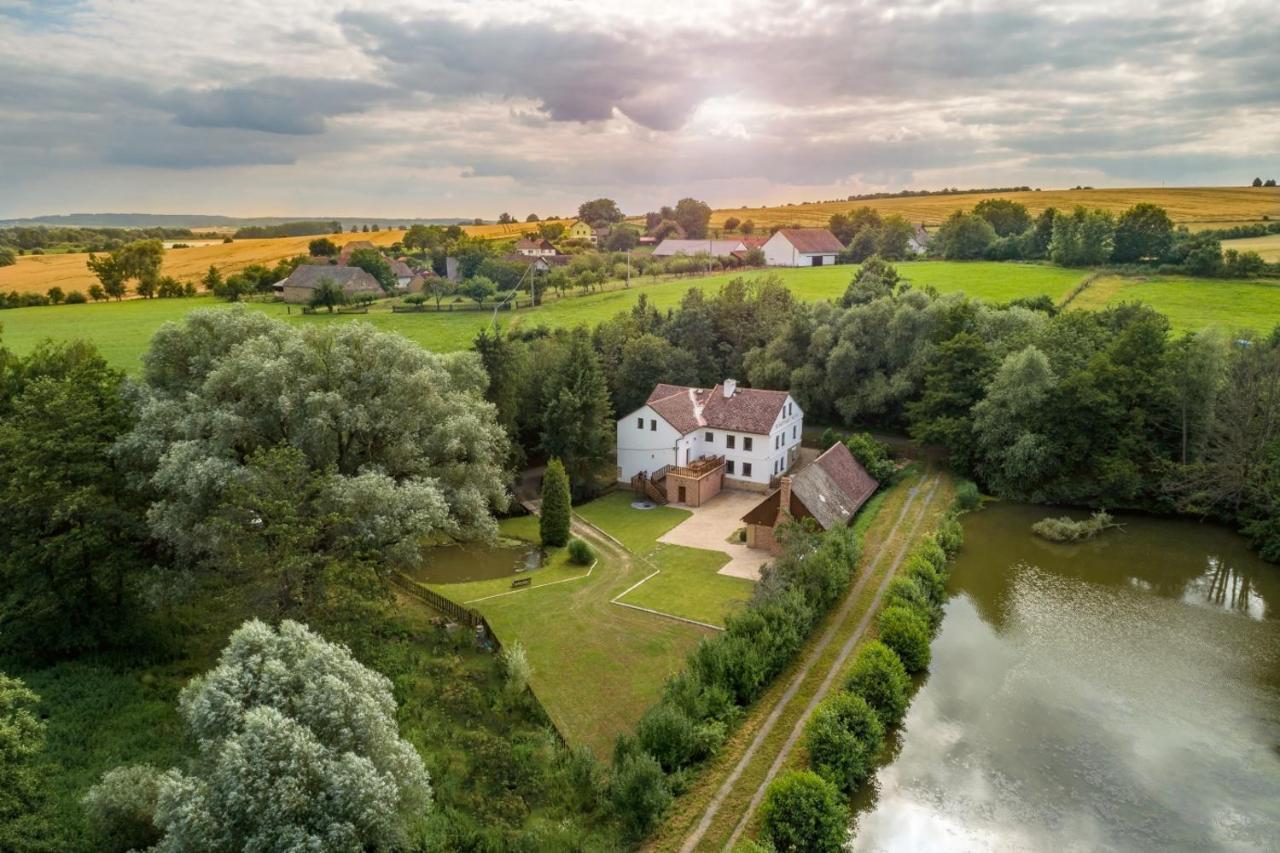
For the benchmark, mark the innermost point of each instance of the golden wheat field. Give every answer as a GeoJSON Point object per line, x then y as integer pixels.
{"type": "Point", "coordinates": [1191, 206]}
{"type": "Point", "coordinates": [38, 273]}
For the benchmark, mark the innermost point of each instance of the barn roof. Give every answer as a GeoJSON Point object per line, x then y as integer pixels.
{"type": "Point", "coordinates": [812, 241]}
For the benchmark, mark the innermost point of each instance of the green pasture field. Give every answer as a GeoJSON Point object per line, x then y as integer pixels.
{"type": "Point", "coordinates": [1192, 304]}
{"type": "Point", "coordinates": [122, 330]}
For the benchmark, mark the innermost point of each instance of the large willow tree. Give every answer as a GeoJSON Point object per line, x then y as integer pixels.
{"type": "Point", "coordinates": [400, 442]}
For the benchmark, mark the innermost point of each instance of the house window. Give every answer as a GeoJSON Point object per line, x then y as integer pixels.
{"type": "Point", "coordinates": [653, 425]}
{"type": "Point", "coordinates": [708, 438]}
{"type": "Point", "coordinates": [729, 442]}
{"type": "Point", "coordinates": [639, 423]}
{"type": "Point", "coordinates": [794, 430]}
{"type": "Point", "coordinates": [746, 469]}
{"type": "Point", "coordinates": [728, 467]}
{"type": "Point", "coordinates": [746, 445]}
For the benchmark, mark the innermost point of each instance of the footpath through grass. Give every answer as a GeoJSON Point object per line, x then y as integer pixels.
{"type": "Point", "coordinates": [122, 330]}
{"type": "Point", "coordinates": [707, 816]}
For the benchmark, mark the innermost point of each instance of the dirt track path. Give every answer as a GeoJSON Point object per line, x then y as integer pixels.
{"type": "Point", "coordinates": [811, 660]}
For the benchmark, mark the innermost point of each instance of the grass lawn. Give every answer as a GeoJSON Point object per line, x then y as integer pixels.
{"type": "Point", "coordinates": [122, 330]}
{"type": "Point", "coordinates": [637, 529]}
{"type": "Point", "coordinates": [598, 666]}
{"type": "Point", "coordinates": [687, 584]}
{"type": "Point", "coordinates": [1192, 304]}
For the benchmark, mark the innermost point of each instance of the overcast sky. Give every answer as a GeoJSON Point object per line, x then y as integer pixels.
{"type": "Point", "coordinates": [417, 108]}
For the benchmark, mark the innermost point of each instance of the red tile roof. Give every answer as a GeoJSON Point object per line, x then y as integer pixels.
{"type": "Point", "coordinates": [749, 410]}
{"type": "Point", "coordinates": [812, 241]}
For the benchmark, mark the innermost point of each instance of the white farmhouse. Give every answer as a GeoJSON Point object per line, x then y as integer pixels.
{"type": "Point", "coordinates": [685, 444]}
{"type": "Point", "coordinates": [802, 247]}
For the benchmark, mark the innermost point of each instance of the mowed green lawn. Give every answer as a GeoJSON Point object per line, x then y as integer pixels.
{"type": "Point", "coordinates": [598, 666]}
{"type": "Point", "coordinates": [1192, 304]}
{"type": "Point", "coordinates": [122, 330]}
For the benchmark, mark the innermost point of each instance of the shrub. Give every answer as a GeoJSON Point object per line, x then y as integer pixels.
{"type": "Point", "coordinates": [580, 552]}
{"type": "Point", "coordinates": [907, 634]}
{"type": "Point", "coordinates": [932, 583]}
{"type": "Point", "coordinates": [950, 535]}
{"type": "Point", "coordinates": [830, 438]}
{"type": "Point", "coordinates": [121, 808]}
{"type": "Point", "coordinates": [909, 593]}
{"type": "Point", "coordinates": [667, 733]}
{"type": "Point", "coordinates": [873, 455]}
{"type": "Point", "coordinates": [75, 297]}
{"type": "Point", "coordinates": [638, 792]}
{"type": "Point", "coordinates": [879, 677]}
{"type": "Point", "coordinates": [804, 812]}
{"type": "Point", "coordinates": [515, 663]}
{"type": "Point", "coordinates": [1067, 529]}
{"type": "Point", "coordinates": [553, 524]}
{"type": "Point", "coordinates": [967, 495]}
{"type": "Point", "coordinates": [844, 737]}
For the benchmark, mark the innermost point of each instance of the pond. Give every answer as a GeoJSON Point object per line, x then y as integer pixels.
{"type": "Point", "coordinates": [476, 562]}
{"type": "Point", "coordinates": [1118, 694]}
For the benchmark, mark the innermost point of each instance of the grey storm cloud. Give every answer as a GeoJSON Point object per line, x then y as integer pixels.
{"type": "Point", "coordinates": [536, 101]}
{"type": "Point", "coordinates": [285, 105]}
{"type": "Point", "coordinates": [576, 75]}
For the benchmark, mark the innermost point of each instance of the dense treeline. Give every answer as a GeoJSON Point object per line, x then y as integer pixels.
{"type": "Point", "coordinates": [1143, 236]}
{"type": "Point", "coordinates": [301, 228]}
{"type": "Point", "coordinates": [1099, 409]}
{"type": "Point", "coordinates": [28, 238]}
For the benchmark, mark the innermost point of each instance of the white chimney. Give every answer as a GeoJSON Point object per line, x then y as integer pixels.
{"type": "Point", "coordinates": [730, 385]}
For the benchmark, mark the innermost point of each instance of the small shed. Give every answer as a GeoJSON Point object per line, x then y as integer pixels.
{"type": "Point", "coordinates": [830, 491]}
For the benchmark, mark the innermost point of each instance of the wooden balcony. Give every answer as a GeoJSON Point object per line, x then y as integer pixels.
{"type": "Point", "coordinates": [703, 466]}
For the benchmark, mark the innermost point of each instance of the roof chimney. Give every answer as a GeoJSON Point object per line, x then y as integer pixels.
{"type": "Point", "coordinates": [784, 497]}
{"type": "Point", "coordinates": [730, 385]}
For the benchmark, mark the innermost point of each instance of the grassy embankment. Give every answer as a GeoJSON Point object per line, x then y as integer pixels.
{"type": "Point", "coordinates": [1190, 206]}
{"type": "Point", "coordinates": [890, 525]}
{"type": "Point", "coordinates": [598, 666]}
{"type": "Point", "coordinates": [123, 329]}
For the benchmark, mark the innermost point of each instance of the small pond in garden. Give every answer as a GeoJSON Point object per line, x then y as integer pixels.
{"type": "Point", "coordinates": [474, 561]}
{"type": "Point", "coordinates": [1119, 694]}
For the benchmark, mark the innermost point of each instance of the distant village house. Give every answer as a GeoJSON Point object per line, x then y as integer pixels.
{"type": "Point", "coordinates": [802, 247]}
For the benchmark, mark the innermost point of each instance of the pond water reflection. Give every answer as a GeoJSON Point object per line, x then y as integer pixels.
{"type": "Point", "coordinates": [1120, 694]}
{"type": "Point", "coordinates": [476, 562]}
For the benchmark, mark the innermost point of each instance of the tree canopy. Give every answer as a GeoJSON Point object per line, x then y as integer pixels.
{"type": "Point", "coordinates": [298, 748]}
{"type": "Point", "coordinates": [391, 424]}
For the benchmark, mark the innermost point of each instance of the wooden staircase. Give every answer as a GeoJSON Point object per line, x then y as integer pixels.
{"type": "Point", "coordinates": [648, 485]}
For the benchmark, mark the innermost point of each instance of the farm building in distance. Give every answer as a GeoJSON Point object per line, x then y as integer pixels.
{"type": "Point", "coordinates": [303, 282]}
{"type": "Point", "coordinates": [802, 247]}
{"type": "Point", "coordinates": [685, 444]}
{"type": "Point", "coordinates": [829, 490]}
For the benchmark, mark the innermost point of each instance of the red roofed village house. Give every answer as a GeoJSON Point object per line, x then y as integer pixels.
{"type": "Point", "coordinates": [685, 444]}
{"type": "Point", "coordinates": [829, 491]}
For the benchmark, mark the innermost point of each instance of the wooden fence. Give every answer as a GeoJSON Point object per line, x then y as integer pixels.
{"type": "Point", "coordinates": [513, 305]}
{"type": "Point", "coordinates": [452, 609]}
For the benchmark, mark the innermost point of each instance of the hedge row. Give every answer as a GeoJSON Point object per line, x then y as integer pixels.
{"type": "Point", "coordinates": [845, 736]}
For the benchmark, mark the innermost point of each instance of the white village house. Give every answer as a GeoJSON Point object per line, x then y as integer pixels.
{"type": "Point", "coordinates": [716, 248]}
{"type": "Point", "coordinates": [802, 247]}
{"type": "Point", "coordinates": [684, 444]}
